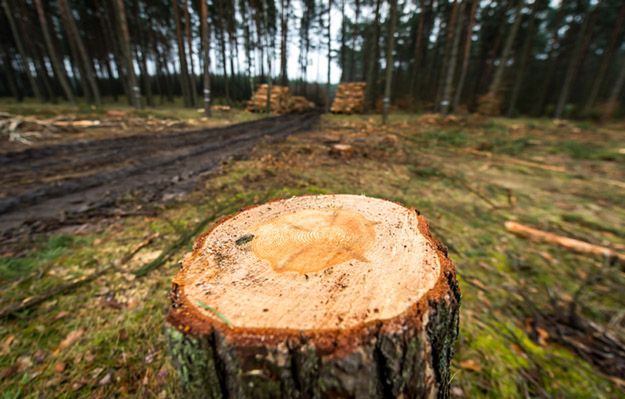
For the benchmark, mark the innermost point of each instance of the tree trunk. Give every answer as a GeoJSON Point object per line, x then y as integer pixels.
{"type": "Point", "coordinates": [182, 58]}
{"type": "Point", "coordinates": [11, 77]}
{"type": "Point", "coordinates": [453, 60]}
{"type": "Point", "coordinates": [581, 44]}
{"type": "Point", "coordinates": [343, 49]}
{"type": "Point", "coordinates": [20, 48]}
{"type": "Point", "coordinates": [206, 56]}
{"type": "Point", "coordinates": [552, 62]}
{"type": "Point", "coordinates": [74, 35]}
{"type": "Point", "coordinates": [495, 85]}
{"type": "Point", "coordinates": [142, 58]}
{"type": "Point", "coordinates": [607, 59]}
{"type": "Point", "coordinates": [133, 86]}
{"type": "Point", "coordinates": [390, 47]}
{"type": "Point", "coordinates": [490, 104]}
{"type": "Point", "coordinates": [110, 38]}
{"type": "Point", "coordinates": [42, 72]}
{"type": "Point", "coordinates": [284, 30]}
{"type": "Point", "coordinates": [59, 70]}
{"type": "Point", "coordinates": [329, 37]}
{"type": "Point", "coordinates": [352, 57]}
{"type": "Point", "coordinates": [466, 55]}
{"type": "Point", "coordinates": [222, 43]}
{"type": "Point", "coordinates": [145, 76]}
{"type": "Point", "coordinates": [192, 84]}
{"type": "Point", "coordinates": [372, 70]}
{"type": "Point", "coordinates": [376, 322]}
{"type": "Point", "coordinates": [525, 54]}
{"type": "Point", "coordinates": [450, 29]}
{"type": "Point", "coordinates": [617, 89]}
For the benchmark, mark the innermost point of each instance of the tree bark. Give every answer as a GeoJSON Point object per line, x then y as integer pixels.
{"type": "Point", "coordinates": [193, 86]}
{"type": "Point", "coordinates": [74, 35]}
{"type": "Point", "coordinates": [372, 70]}
{"type": "Point", "coordinates": [617, 89]}
{"type": "Point", "coordinates": [581, 44]}
{"type": "Point", "coordinates": [607, 59]}
{"type": "Point", "coordinates": [12, 81]}
{"type": "Point", "coordinates": [390, 48]}
{"type": "Point", "coordinates": [450, 29]}
{"type": "Point", "coordinates": [237, 335]}
{"type": "Point", "coordinates": [222, 43]}
{"type": "Point", "coordinates": [182, 57]}
{"type": "Point", "coordinates": [466, 55]}
{"type": "Point", "coordinates": [284, 30]}
{"type": "Point", "coordinates": [423, 30]}
{"type": "Point", "coordinates": [206, 56]}
{"type": "Point", "coordinates": [453, 60]}
{"type": "Point", "coordinates": [495, 85]}
{"type": "Point", "coordinates": [352, 58]}
{"type": "Point", "coordinates": [525, 54]}
{"type": "Point", "coordinates": [343, 49]}
{"type": "Point", "coordinates": [59, 70]}
{"type": "Point", "coordinates": [329, 38]}
{"type": "Point", "coordinates": [21, 50]}
{"type": "Point", "coordinates": [135, 92]}
{"type": "Point", "coordinates": [552, 62]}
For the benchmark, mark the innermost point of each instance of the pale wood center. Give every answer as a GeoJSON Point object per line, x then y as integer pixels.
{"type": "Point", "coordinates": [312, 262]}
{"type": "Point", "coordinates": [311, 240]}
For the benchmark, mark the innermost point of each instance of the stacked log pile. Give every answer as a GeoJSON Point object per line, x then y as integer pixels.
{"type": "Point", "coordinates": [350, 98]}
{"type": "Point", "coordinates": [300, 104]}
{"type": "Point", "coordinates": [280, 99]}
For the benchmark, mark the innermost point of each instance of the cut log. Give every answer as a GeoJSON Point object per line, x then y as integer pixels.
{"type": "Point", "coordinates": [315, 296]}
{"type": "Point", "coordinates": [569, 243]}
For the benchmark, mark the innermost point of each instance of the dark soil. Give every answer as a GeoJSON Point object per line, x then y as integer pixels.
{"type": "Point", "coordinates": [45, 188]}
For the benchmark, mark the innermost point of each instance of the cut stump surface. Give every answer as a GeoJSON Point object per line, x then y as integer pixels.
{"type": "Point", "coordinates": [315, 296]}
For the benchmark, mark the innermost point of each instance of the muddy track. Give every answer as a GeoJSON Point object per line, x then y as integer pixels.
{"type": "Point", "coordinates": [45, 188]}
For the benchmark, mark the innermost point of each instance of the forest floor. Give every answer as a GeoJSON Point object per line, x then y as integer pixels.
{"type": "Point", "coordinates": [536, 320]}
{"type": "Point", "coordinates": [45, 124]}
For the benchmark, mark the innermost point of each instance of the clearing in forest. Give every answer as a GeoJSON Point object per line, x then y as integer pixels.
{"type": "Point", "coordinates": [536, 319]}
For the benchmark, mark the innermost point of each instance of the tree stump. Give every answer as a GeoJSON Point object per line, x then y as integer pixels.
{"type": "Point", "coordinates": [337, 296]}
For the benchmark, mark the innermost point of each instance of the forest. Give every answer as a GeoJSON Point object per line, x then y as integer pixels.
{"type": "Point", "coordinates": [536, 58]}
{"type": "Point", "coordinates": [312, 199]}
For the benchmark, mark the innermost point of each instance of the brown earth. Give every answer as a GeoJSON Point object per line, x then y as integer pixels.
{"type": "Point", "coordinates": [47, 187]}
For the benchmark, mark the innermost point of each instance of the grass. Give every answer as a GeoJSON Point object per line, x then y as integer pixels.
{"type": "Point", "coordinates": [122, 352]}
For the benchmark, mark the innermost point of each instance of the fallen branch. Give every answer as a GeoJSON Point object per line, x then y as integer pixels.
{"type": "Point", "coordinates": [74, 284]}
{"type": "Point", "coordinates": [565, 242]}
{"type": "Point", "coordinates": [516, 161]}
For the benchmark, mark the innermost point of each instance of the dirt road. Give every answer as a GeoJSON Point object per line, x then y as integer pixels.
{"type": "Point", "coordinates": [47, 187]}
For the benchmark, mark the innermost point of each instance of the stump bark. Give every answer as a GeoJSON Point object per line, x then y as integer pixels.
{"type": "Point", "coordinates": [337, 296]}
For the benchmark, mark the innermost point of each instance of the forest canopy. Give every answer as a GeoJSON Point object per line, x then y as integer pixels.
{"type": "Point", "coordinates": [530, 57]}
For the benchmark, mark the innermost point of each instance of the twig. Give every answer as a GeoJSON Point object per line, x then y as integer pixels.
{"type": "Point", "coordinates": [72, 285]}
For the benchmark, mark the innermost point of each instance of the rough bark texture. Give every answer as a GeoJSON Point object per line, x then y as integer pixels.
{"type": "Point", "coordinates": [406, 356]}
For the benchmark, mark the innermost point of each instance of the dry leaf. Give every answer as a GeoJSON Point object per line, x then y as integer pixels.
{"type": "Point", "coordinates": [60, 315]}
{"type": "Point", "coordinates": [71, 338]}
{"type": "Point", "coordinates": [517, 349]}
{"type": "Point", "coordinates": [105, 380]}
{"type": "Point", "coordinates": [543, 336]}
{"type": "Point", "coordinates": [471, 364]}
{"type": "Point", "coordinates": [6, 344]}
{"type": "Point", "coordinates": [59, 367]}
